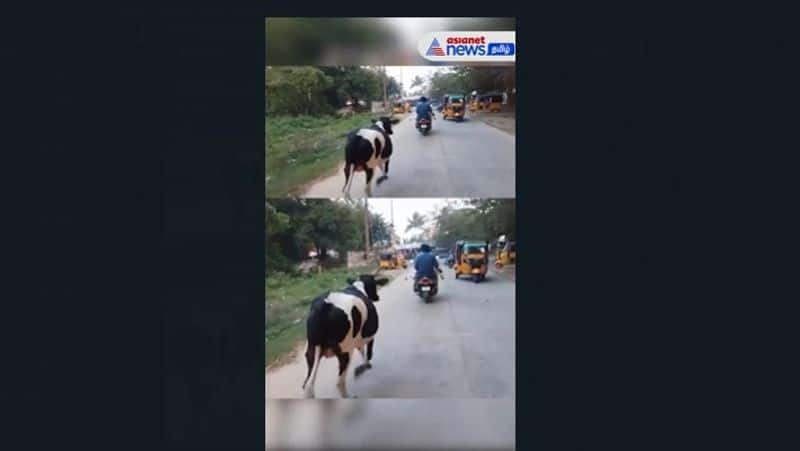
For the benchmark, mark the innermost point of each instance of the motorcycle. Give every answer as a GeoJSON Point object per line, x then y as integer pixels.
{"type": "Point", "coordinates": [427, 288]}
{"type": "Point", "coordinates": [424, 126]}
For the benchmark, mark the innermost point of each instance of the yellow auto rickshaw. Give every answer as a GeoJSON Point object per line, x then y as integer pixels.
{"type": "Point", "coordinates": [399, 107]}
{"type": "Point", "coordinates": [387, 260]}
{"type": "Point", "coordinates": [493, 103]}
{"type": "Point", "coordinates": [476, 104]}
{"type": "Point", "coordinates": [471, 259]}
{"type": "Point", "coordinates": [506, 254]}
{"type": "Point", "coordinates": [392, 260]}
{"type": "Point", "coordinates": [454, 105]}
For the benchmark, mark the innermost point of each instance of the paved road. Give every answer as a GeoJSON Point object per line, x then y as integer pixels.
{"type": "Point", "coordinates": [459, 346]}
{"type": "Point", "coordinates": [457, 159]}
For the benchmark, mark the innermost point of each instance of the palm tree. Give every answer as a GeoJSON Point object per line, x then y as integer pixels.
{"type": "Point", "coordinates": [415, 222]}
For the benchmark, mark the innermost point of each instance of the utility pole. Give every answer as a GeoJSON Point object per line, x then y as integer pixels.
{"type": "Point", "coordinates": [366, 229]}
{"type": "Point", "coordinates": [384, 86]}
{"type": "Point", "coordinates": [391, 216]}
{"type": "Point", "coordinates": [402, 78]}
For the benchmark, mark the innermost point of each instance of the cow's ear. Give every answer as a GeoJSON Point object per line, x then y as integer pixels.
{"type": "Point", "coordinates": [382, 281]}
{"type": "Point", "coordinates": [351, 281]}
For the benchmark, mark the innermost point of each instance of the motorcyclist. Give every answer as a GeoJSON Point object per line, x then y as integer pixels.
{"type": "Point", "coordinates": [425, 265]}
{"type": "Point", "coordinates": [424, 110]}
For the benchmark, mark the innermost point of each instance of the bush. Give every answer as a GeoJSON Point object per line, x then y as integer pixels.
{"type": "Point", "coordinates": [297, 90]}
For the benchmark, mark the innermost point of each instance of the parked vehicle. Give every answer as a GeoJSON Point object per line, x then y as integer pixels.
{"type": "Point", "coordinates": [399, 108]}
{"type": "Point", "coordinates": [492, 103]}
{"type": "Point", "coordinates": [392, 260]}
{"type": "Point", "coordinates": [401, 260]}
{"type": "Point", "coordinates": [506, 254]}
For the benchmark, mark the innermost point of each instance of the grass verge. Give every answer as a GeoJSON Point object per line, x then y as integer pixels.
{"type": "Point", "coordinates": [288, 299]}
{"type": "Point", "coordinates": [302, 148]}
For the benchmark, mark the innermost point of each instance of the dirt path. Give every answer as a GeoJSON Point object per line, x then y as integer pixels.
{"type": "Point", "coordinates": [506, 122]}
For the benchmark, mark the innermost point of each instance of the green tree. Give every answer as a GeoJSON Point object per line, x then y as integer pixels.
{"type": "Point", "coordinates": [297, 226]}
{"type": "Point", "coordinates": [352, 83]}
{"type": "Point", "coordinates": [416, 222]}
{"type": "Point", "coordinates": [277, 224]}
{"type": "Point", "coordinates": [297, 90]}
{"type": "Point", "coordinates": [328, 225]}
{"type": "Point", "coordinates": [283, 248]}
{"type": "Point", "coordinates": [448, 82]}
{"type": "Point", "coordinates": [393, 88]}
{"type": "Point", "coordinates": [479, 219]}
{"type": "Point", "coordinates": [489, 79]}
{"type": "Point", "coordinates": [379, 230]}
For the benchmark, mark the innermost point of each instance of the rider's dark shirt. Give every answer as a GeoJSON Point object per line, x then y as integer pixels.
{"type": "Point", "coordinates": [425, 264]}
{"type": "Point", "coordinates": [423, 110]}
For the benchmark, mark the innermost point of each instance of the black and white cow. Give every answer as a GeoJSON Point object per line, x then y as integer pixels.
{"type": "Point", "coordinates": [340, 322]}
{"type": "Point", "coordinates": [366, 149]}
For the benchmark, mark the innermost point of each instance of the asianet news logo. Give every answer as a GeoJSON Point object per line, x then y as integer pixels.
{"type": "Point", "coordinates": [470, 46]}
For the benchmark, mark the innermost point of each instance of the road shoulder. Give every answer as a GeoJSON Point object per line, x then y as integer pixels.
{"type": "Point", "coordinates": [506, 122]}
{"type": "Point", "coordinates": [507, 272]}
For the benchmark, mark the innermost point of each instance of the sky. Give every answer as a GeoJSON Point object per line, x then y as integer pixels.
{"type": "Point", "coordinates": [403, 209]}
{"type": "Point", "coordinates": [404, 74]}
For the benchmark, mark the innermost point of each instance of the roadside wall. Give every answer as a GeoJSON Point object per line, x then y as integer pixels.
{"type": "Point", "coordinates": [377, 107]}
{"type": "Point", "coordinates": [356, 259]}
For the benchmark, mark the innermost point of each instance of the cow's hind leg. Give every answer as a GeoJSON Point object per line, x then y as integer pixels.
{"type": "Point", "coordinates": [347, 168]}
{"type": "Point", "coordinates": [344, 363]}
{"type": "Point", "coordinates": [349, 175]}
{"type": "Point", "coordinates": [385, 175]}
{"type": "Point", "coordinates": [370, 172]}
{"type": "Point", "coordinates": [369, 350]}
{"type": "Point", "coordinates": [313, 356]}
{"type": "Point", "coordinates": [366, 365]}
{"type": "Point", "coordinates": [310, 351]}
